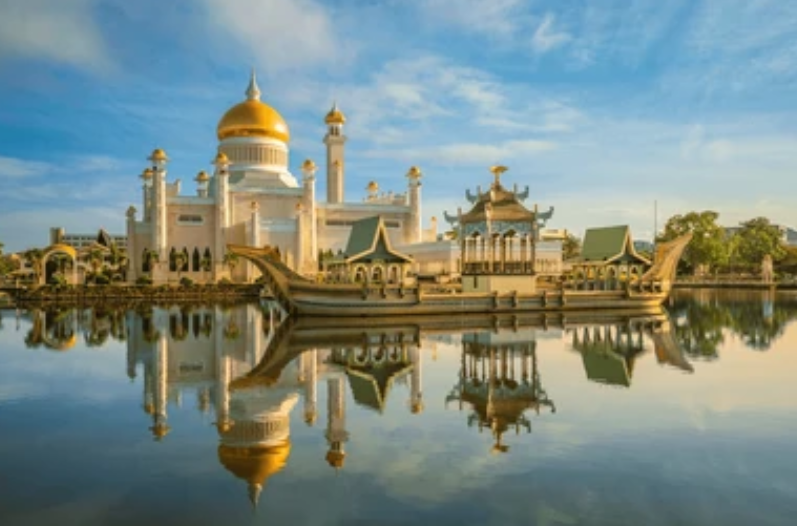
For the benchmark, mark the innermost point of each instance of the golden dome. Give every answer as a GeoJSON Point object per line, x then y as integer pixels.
{"type": "Point", "coordinates": [335, 116]}
{"type": "Point", "coordinates": [253, 118]}
{"type": "Point", "coordinates": [336, 459]}
{"type": "Point", "coordinates": [254, 464]}
{"type": "Point", "coordinates": [221, 158]}
{"type": "Point", "coordinates": [202, 177]}
{"type": "Point", "coordinates": [373, 186]}
{"type": "Point", "coordinates": [159, 431]}
{"type": "Point", "coordinates": [414, 172]}
{"type": "Point", "coordinates": [147, 174]}
{"type": "Point", "coordinates": [308, 165]}
{"type": "Point", "coordinates": [158, 155]}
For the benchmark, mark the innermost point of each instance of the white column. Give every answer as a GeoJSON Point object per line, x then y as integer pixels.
{"type": "Point", "coordinates": [416, 381]}
{"type": "Point", "coordinates": [310, 384]}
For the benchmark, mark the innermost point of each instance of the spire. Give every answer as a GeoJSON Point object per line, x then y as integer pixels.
{"type": "Point", "coordinates": [253, 91]}
{"type": "Point", "coordinates": [254, 494]}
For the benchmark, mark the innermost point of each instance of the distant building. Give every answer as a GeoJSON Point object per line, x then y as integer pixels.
{"type": "Point", "coordinates": [80, 241]}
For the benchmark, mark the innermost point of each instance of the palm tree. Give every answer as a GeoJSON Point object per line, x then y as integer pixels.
{"type": "Point", "coordinates": [205, 264]}
{"type": "Point", "coordinates": [34, 258]}
{"type": "Point", "coordinates": [96, 258]}
{"type": "Point", "coordinates": [118, 258]}
{"type": "Point", "coordinates": [180, 259]}
{"type": "Point", "coordinates": [151, 258]}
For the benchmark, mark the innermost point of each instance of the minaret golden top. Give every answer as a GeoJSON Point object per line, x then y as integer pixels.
{"type": "Point", "coordinates": [497, 170]}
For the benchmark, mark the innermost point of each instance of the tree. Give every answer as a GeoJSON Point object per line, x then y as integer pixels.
{"type": "Point", "coordinates": [231, 260]}
{"type": "Point", "coordinates": [34, 258]}
{"type": "Point", "coordinates": [571, 246]}
{"type": "Point", "coordinates": [151, 258]}
{"type": "Point", "coordinates": [758, 238]}
{"type": "Point", "coordinates": [180, 260]}
{"type": "Point", "coordinates": [708, 247]}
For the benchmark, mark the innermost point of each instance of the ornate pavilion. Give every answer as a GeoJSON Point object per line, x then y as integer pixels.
{"type": "Point", "coordinates": [500, 381]}
{"type": "Point", "coordinates": [607, 260]}
{"type": "Point", "coordinates": [499, 238]}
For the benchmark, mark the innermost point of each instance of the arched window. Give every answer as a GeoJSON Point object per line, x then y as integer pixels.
{"type": "Point", "coordinates": [186, 260]}
{"type": "Point", "coordinates": [145, 261]}
{"type": "Point", "coordinates": [195, 261]}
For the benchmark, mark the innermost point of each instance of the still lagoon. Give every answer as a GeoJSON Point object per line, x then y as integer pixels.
{"type": "Point", "coordinates": [230, 415]}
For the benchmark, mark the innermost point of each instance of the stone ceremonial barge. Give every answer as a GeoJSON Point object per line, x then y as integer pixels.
{"type": "Point", "coordinates": [499, 269]}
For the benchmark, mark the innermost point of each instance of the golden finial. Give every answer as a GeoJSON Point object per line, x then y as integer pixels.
{"type": "Point", "coordinates": [373, 186]}
{"type": "Point", "coordinates": [308, 165]}
{"type": "Point", "coordinates": [497, 170]}
{"type": "Point", "coordinates": [147, 174]}
{"type": "Point", "coordinates": [202, 177]}
{"type": "Point", "coordinates": [414, 172]}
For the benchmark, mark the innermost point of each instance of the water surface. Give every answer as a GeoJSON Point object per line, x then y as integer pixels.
{"type": "Point", "coordinates": [213, 415]}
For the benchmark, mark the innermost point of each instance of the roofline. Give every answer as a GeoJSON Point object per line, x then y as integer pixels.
{"type": "Point", "coordinates": [381, 231]}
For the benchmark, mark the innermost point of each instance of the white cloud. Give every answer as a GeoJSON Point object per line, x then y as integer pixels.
{"type": "Point", "coordinates": [11, 167]}
{"type": "Point", "coordinates": [546, 37]}
{"type": "Point", "coordinates": [281, 34]}
{"type": "Point", "coordinates": [493, 18]}
{"type": "Point", "coordinates": [63, 31]}
{"type": "Point", "coordinates": [467, 153]}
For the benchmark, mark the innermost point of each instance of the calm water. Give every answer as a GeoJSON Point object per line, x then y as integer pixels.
{"type": "Point", "coordinates": [224, 416]}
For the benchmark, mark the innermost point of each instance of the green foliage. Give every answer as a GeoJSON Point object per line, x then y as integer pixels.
{"type": "Point", "coordinates": [101, 279]}
{"type": "Point", "coordinates": [708, 246]}
{"type": "Point", "coordinates": [225, 281]}
{"type": "Point", "coordinates": [144, 280]}
{"type": "Point", "coordinates": [186, 282]}
{"type": "Point", "coordinates": [571, 246]}
{"type": "Point", "coordinates": [756, 239]}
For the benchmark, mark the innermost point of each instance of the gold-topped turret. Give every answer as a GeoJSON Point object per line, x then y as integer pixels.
{"type": "Point", "coordinates": [202, 177]}
{"type": "Point", "coordinates": [308, 165]}
{"type": "Point", "coordinates": [414, 172]}
{"type": "Point", "coordinates": [335, 116]}
{"type": "Point", "coordinates": [147, 174]}
{"type": "Point", "coordinates": [158, 154]}
{"type": "Point", "coordinates": [373, 186]}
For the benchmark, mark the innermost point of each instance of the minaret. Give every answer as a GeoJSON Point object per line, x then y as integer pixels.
{"type": "Point", "coordinates": [299, 252]}
{"type": "Point", "coordinates": [132, 250]}
{"type": "Point", "coordinates": [202, 179]}
{"type": "Point", "coordinates": [160, 368]}
{"type": "Point", "coordinates": [146, 193]}
{"type": "Point", "coordinates": [159, 241]}
{"type": "Point", "coordinates": [336, 434]}
{"type": "Point", "coordinates": [413, 230]}
{"type": "Point", "coordinates": [310, 374]}
{"type": "Point", "coordinates": [335, 141]}
{"type": "Point", "coordinates": [254, 236]}
{"type": "Point", "coordinates": [222, 212]}
{"type": "Point", "coordinates": [416, 380]}
{"type": "Point", "coordinates": [308, 169]}
{"type": "Point", "coordinates": [223, 375]}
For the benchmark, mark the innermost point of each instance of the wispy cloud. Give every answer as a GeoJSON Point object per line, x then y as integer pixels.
{"type": "Point", "coordinates": [63, 32]}
{"type": "Point", "coordinates": [12, 168]}
{"type": "Point", "coordinates": [281, 34]}
{"type": "Point", "coordinates": [492, 18]}
{"type": "Point", "coordinates": [546, 37]}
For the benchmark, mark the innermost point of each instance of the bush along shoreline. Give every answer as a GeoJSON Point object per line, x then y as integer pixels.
{"type": "Point", "coordinates": [185, 292]}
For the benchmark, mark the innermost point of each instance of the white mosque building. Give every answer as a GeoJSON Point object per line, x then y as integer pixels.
{"type": "Point", "coordinates": [252, 198]}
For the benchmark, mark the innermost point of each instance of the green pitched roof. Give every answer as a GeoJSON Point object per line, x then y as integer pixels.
{"type": "Point", "coordinates": [370, 386]}
{"type": "Point", "coordinates": [606, 367]}
{"type": "Point", "coordinates": [607, 244]}
{"type": "Point", "coordinates": [368, 238]}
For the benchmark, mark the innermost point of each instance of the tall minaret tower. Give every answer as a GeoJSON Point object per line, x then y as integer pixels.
{"type": "Point", "coordinates": [413, 231]}
{"type": "Point", "coordinates": [335, 140]}
{"type": "Point", "coordinates": [309, 169]}
{"type": "Point", "coordinates": [222, 197]}
{"type": "Point", "coordinates": [336, 434]}
{"type": "Point", "coordinates": [159, 241]}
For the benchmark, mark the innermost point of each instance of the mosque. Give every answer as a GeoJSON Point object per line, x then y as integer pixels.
{"type": "Point", "coordinates": [252, 198]}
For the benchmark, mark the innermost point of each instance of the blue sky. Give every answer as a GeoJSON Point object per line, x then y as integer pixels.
{"type": "Point", "coordinates": [600, 106]}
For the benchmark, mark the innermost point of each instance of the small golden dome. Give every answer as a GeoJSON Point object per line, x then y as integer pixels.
{"type": "Point", "coordinates": [336, 459]}
{"type": "Point", "coordinates": [224, 427]}
{"type": "Point", "coordinates": [202, 177]}
{"type": "Point", "coordinates": [149, 409]}
{"type": "Point", "coordinates": [308, 165]}
{"type": "Point", "coordinates": [221, 158]}
{"type": "Point", "coordinates": [158, 155]}
{"type": "Point", "coordinates": [373, 186]}
{"type": "Point", "coordinates": [335, 116]}
{"type": "Point", "coordinates": [414, 172]}
{"type": "Point", "coordinates": [147, 174]}
{"type": "Point", "coordinates": [160, 430]}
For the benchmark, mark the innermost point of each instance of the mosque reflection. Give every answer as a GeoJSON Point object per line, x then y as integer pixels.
{"type": "Point", "coordinates": [249, 365]}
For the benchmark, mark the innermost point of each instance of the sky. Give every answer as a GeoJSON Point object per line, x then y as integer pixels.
{"type": "Point", "coordinates": [601, 107]}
